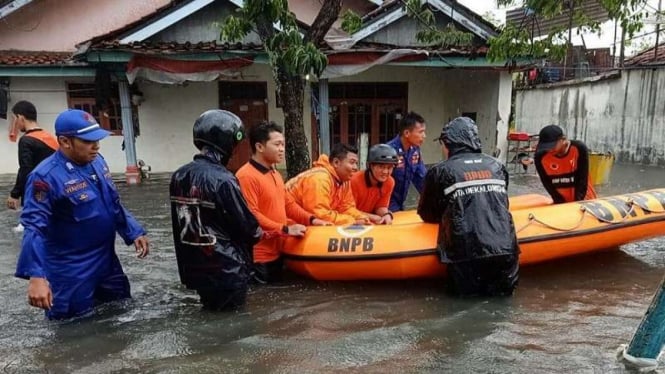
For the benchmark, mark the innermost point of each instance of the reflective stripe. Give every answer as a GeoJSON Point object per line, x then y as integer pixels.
{"type": "Point", "coordinates": [478, 182]}
{"type": "Point", "coordinates": [86, 129]}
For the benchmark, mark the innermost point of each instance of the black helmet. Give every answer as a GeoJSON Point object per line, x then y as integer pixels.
{"type": "Point", "coordinates": [219, 129]}
{"type": "Point", "coordinates": [382, 154]}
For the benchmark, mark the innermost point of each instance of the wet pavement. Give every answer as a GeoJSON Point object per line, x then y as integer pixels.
{"type": "Point", "coordinates": [567, 316]}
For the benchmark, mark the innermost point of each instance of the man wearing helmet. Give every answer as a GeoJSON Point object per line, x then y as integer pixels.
{"type": "Point", "coordinates": [213, 229]}
{"type": "Point", "coordinates": [373, 187]}
{"type": "Point", "coordinates": [466, 195]}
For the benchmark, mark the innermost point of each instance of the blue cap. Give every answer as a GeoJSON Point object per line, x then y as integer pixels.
{"type": "Point", "coordinates": [79, 124]}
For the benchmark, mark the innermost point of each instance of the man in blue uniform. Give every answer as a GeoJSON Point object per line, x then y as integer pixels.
{"type": "Point", "coordinates": [71, 214]}
{"type": "Point", "coordinates": [410, 167]}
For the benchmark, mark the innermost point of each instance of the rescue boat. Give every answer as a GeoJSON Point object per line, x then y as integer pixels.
{"type": "Point", "coordinates": [407, 248]}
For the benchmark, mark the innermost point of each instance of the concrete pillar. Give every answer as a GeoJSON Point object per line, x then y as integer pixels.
{"type": "Point", "coordinates": [132, 171]}
{"type": "Point", "coordinates": [324, 116]}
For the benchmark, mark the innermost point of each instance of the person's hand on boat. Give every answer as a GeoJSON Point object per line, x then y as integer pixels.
{"type": "Point", "coordinates": [386, 219]}
{"type": "Point", "coordinates": [296, 230]}
{"type": "Point", "coordinates": [363, 221]}
{"type": "Point", "coordinates": [320, 222]}
{"type": "Point", "coordinates": [375, 219]}
{"type": "Point", "coordinates": [39, 293]}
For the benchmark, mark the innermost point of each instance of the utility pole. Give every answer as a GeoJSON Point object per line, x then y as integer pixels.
{"type": "Point", "coordinates": [655, 50]}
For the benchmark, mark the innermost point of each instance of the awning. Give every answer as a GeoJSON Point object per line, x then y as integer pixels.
{"type": "Point", "coordinates": [343, 64]}
{"type": "Point", "coordinates": [168, 71]}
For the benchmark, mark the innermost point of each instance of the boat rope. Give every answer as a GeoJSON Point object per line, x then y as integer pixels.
{"type": "Point", "coordinates": [629, 202]}
{"type": "Point", "coordinates": [533, 218]}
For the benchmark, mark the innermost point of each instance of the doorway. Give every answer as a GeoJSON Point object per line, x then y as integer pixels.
{"type": "Point", "coordinates": [248, 100]}
{"type": "Point", "coordinates": [356, 108]}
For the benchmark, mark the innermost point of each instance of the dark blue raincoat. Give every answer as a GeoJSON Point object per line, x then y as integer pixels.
{"type": "Point", "coordinates": [410, 168]}
{"type": "Point", "coordinates": [71, 216]}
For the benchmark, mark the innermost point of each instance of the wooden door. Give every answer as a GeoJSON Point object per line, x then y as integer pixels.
{"type": "Point", "coordinates": [248, 101]}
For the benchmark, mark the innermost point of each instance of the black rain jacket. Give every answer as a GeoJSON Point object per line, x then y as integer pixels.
{"type": "Point", "coordinates": [213, 229]}
{"type": "Point", "coordinates": [466, 195]}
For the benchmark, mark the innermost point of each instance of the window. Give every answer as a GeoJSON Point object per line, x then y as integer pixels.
{"type": "Point", "coordinates": [82, 96]}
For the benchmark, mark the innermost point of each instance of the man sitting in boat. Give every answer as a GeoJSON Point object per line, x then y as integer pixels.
{"type": "Point", "coordinates": [263, 188]}
{"type": "Point", "coordinates": [373, 187]}
{"type": "Point", "coordinates": [325, 190]}
{"type": "Point", "coordinates": [466, 195]}
{"type": "Point", "coordinates": [563, 166]}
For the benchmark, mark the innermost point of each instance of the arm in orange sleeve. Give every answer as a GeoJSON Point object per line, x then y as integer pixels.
{"type": "Point", "coordinates": [295, 212]}
{"type": "Point", "coordinates": [250, 189]}
{"type": "Point", "coordinates": [384, 201]}
{"type": "Point", "coordinates": [348, 205]}
{"type": "Point", "coordinates": [317, 198]}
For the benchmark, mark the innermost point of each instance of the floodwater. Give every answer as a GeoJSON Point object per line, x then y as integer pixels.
{"type": "Point", "coordinates": [566, 316]}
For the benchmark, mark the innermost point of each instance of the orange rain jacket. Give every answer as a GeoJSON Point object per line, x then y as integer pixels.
{"type": "Point", "coordinates": [319, 190]}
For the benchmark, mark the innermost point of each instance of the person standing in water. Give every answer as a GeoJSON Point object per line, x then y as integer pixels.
{"type": "Point", "coordinates": [71, 215]}
{"type": "Point", "coordinates": [34, 146]}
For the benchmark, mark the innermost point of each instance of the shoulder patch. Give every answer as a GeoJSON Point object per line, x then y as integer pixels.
{"type": "Point", "coordinates": [40, 190]}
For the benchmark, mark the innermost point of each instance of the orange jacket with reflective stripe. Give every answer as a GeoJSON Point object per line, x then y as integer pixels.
{"type": "Point", "coordinates": [319, 190]}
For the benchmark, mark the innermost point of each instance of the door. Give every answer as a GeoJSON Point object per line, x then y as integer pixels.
{"type": "Point", "coordinates": [356, 108]}
{"type": "Point", "coordinates": [247, 100]}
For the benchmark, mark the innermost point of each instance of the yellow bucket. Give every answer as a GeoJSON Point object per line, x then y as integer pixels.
{"type": "Point", "coordinates": [600, 166]}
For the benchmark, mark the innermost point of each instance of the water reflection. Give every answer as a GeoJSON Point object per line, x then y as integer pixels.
{"type": "Point", "coordinates": [566, 316]}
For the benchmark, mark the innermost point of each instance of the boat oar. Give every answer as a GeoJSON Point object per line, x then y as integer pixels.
{"type": "Point", "coordinates": [647, 342]}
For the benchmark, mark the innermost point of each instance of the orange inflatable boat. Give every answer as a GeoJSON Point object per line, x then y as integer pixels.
{"type": "Point", "coordinates": [407, 248]}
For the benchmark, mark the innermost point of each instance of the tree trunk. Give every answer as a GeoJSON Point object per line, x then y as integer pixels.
{"type": "Point", "coordinates": [292, 93]}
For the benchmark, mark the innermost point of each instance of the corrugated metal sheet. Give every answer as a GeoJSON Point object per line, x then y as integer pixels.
{"type": "Point", "coordinates": [649, 57]}
{"type": "Point", "coordinates": [591, 8]}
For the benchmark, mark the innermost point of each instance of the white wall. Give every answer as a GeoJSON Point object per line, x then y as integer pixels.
{"type": "Point", "coordinates": [625, 115]}
{"type": "Point", "coordinates": [48, 95]}
{"type": "Point", "coordinates": [440, 95]}
{"type": "Point", "coordinates": [168, 113]}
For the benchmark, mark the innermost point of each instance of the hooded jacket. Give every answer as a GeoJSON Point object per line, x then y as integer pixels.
{"type": "Point", "coordinates": [320, 191]}
{"type": "Point", "coordinates": [213, 229]}
{"type": "Point", "coordinates": [466, 195]}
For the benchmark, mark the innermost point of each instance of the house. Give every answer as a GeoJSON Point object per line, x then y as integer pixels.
{"type": "Point", "coordinates": [37, 41]}
{"type": "Point", "coordinates": [621, 111]}
{"type": "Point", "coordinates": [173, 60]}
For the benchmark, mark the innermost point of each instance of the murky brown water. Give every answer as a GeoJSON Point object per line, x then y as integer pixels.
{"type": "Point", "coordinates": [567, 316]}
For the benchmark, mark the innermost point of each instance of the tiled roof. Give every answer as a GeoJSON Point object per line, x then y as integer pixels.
{"type": "Point", "coordinates": [32, 58]}
{"type": "Point", "coordinates": [647, 57]}
{"type": "Point", "coordinates": [148, 47]}
{"type": "Point", "coordinates": [172, 48]}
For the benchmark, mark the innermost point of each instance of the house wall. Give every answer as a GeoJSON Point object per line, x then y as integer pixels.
{"type": "Point", "coordinates": [441, 95]}
{"type": "Point", "coordinates": [625, 116]}
{"type": "Point", "coordinates": [48, 95]}
{"type": "Point", "coordinates": [168, 112]}
{"type": "Point", "coordinates": [57, 25]}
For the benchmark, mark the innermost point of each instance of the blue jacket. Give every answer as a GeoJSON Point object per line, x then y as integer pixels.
{"type": "Point", "coordinates": [410, 169]}
{"type": "Point", "coordinates": [71, 221]}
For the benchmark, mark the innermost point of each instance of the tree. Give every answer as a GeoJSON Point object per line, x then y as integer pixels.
{"type": "Point", "coordinates": [517, 40]}
{"type": "Point", "coordinates": [292, 54]}
{"type": "Point", "coordinates": [514, 41]}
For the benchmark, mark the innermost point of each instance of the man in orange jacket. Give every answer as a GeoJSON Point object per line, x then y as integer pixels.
{"type": "Point", "coordinates": [263, 188]}
{"type": "Point", "coordinates": [325, 190]}
{"type": "Point", "coordinates": [373, 187]}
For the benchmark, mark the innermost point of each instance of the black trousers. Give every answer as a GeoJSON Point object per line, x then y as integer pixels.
{"type": "Point", "coordinates": [492, 276]}
{"type": "Point", "coordinates": [268, 272]}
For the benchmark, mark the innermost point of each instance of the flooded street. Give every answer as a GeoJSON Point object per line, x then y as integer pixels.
{"type": "Point", "coordinates": [566, 316]}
